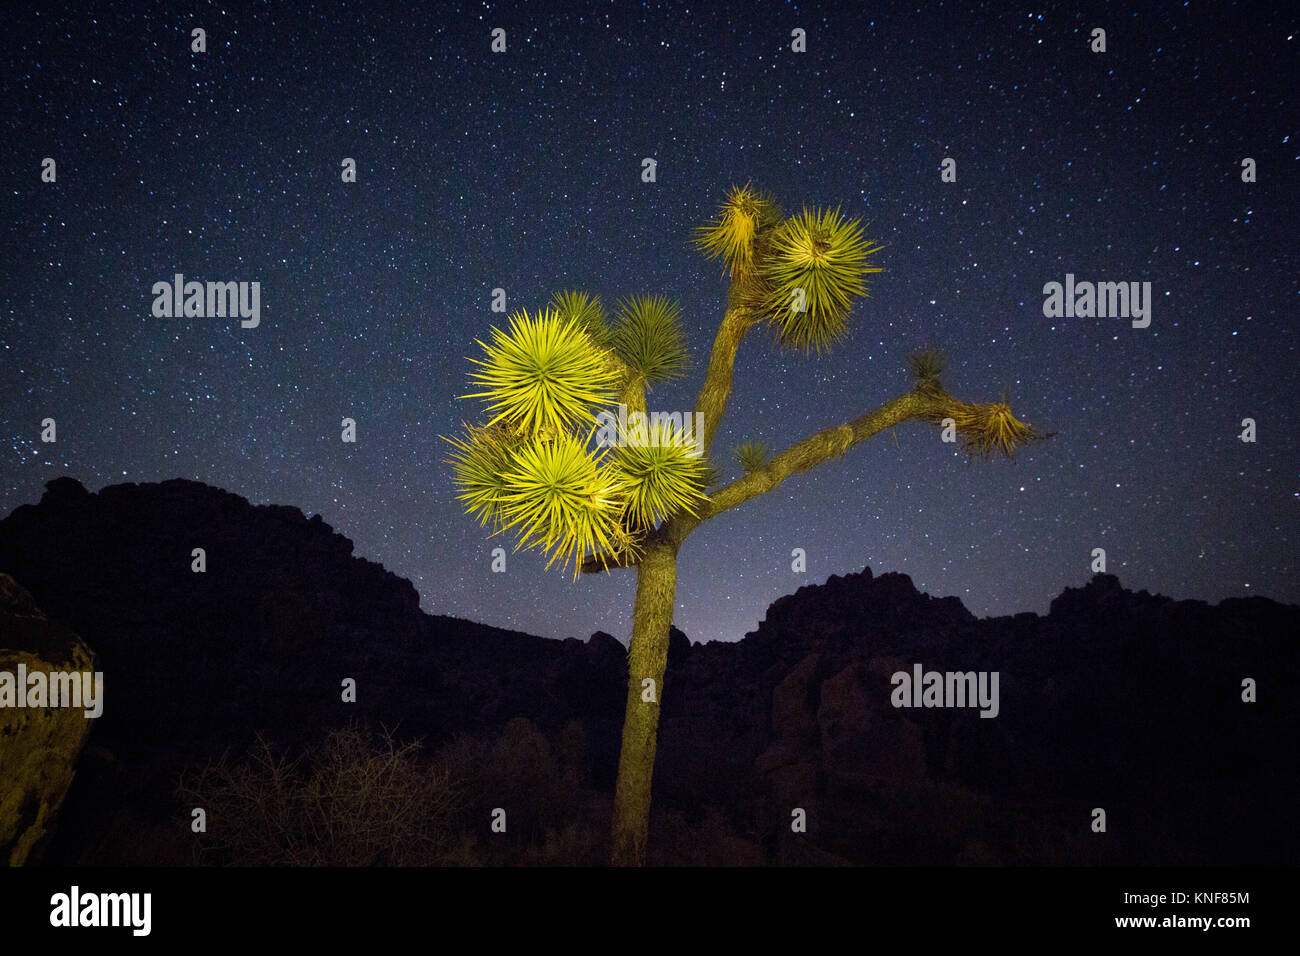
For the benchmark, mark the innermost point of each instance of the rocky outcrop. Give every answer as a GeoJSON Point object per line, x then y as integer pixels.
{"type": "Point", "coordinates": [1127, 701]}
{"type": "Point", "coordinates": [39, 746]}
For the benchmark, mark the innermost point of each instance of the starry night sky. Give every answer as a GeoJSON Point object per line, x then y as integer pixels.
{"type": "Point", "coordinates": [522, 170]}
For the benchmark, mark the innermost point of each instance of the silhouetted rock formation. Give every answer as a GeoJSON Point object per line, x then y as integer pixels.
{"type": "Point", "coordinates": [39, 746]}
{"type": "Point", "coordinates": [1127, 702]}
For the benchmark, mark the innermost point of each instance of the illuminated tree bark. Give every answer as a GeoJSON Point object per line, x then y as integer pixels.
{"type": "Point", "coordinates": [647, 659]}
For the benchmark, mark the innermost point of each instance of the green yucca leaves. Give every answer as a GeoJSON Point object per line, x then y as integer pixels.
{"type": "Point", "coordinates": [733, 234]}
{"type": "Point", "coordinates": [991, 427]}
{"type": "Point", "coordinates": [816, 260]}
{"type": "Point", "coordinates": [544, 375]}
{"type": "Point", "coordinates": [926, 364]}
{"type": "Point", "coordinates": [752, 455]}
{"type": "Point", "coordinates": [559, 497]}
{"type": "Point", "coordinates": [660, 472]}
{"type": "Point", "coordinates": [649, 337]}
{"type": "Point", "coordinates": [712, 475]}
{"type": "Point", "coordinates": [529, 469]}
{"type": "Point", "coordinates": [586, 311]}
{"type": "Point", "coordinates": [480, 464]}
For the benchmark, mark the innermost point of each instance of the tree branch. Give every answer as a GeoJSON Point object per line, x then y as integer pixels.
{"type": "Point", "coordinates": [811, 452]}
{"type": "Point", "coordinates": [715, 391]}
{"type": "Point", "coordinates": [980, 426]}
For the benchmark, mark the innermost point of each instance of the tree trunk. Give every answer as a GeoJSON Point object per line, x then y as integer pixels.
{"type": "Point", "coordinates": [656, 586]}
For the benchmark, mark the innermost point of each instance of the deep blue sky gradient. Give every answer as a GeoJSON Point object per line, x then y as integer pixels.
{"type": "Point", "coordinates": [522, 171]}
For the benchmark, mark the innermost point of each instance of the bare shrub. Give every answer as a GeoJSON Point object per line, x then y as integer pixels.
{"type": "Point", "coordinates": [356, 800]}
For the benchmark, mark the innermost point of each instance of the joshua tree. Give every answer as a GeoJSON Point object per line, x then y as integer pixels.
{"type": "Point", "coordinates": [554, 467]}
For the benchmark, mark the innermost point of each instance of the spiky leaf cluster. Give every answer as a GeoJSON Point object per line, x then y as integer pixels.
{"type": "Point", "coordinates": [814, 267]}
{"type": "Point", "coordinates": [543, 376]}
{"type": "Point", "coordinates": [479, 464]}
{"type": "Point", "coordinates": [752, 455]}
{"type": "Point", "coordinates": [926, 364]}
{"type": "Point", "coordinates": [990, 427]}
{"type": "Point", "coordinates": [662, 471]}
{"type": "Point", "coordinates": [531, 468]}
{"type": "Point", "coordinates": [745, 217]}
{"type": "Point", "coordinates": [586, 311]}
{"type": "Point", "coordinates": [649, 338]}
{"type": "Point", "coordinates": [560, 497]}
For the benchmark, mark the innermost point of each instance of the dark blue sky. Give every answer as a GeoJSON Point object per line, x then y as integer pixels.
{"type": "Point", "coordinates": [522, 170]}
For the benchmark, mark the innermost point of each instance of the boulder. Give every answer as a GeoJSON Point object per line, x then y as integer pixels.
{"type": "Point", "coordinates": [39, 746]}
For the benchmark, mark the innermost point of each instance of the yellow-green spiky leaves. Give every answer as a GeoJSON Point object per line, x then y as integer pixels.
{"type": "Point", "coordinates": [649, 338]}
{"type": "Point", "coordinates": [479, 464]}
{"type": "Point", "coordinates": [531, 469]}
{"type": "Point", "coordinates": [544, 375]}
{"type": "Point", "coordinates": [586, 311]}
{"type": "Point", "coordinates": [991, 427]}
{"type": "Point", "coordinates": [559, 497]}
{"type": "Point", "coordinates": [801, 273]}
{"type": "Point", "coordinates": [752, 455]}
{"type": "Point", "coordinates": [815, 265]}
{"type": "Point", "coordinates": [661, 470]}
{"type": "Point", "coordinates": [734, 234]}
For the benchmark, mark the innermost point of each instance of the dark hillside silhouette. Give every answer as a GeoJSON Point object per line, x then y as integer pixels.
{"type": "Point", "coordinates": [1127, 701]}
